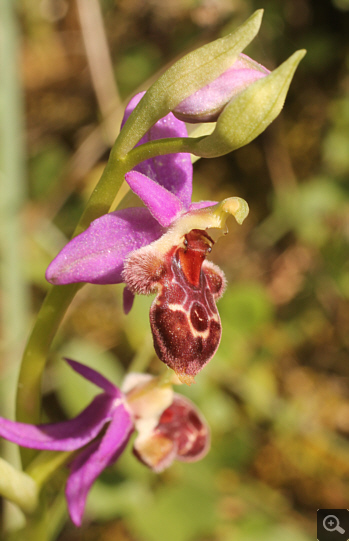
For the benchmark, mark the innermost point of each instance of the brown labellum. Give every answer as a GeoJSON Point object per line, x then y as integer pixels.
{"type": "Point", "coordinates": [181, 433]}
{"type": "Point", "coordinates": [184, 318]}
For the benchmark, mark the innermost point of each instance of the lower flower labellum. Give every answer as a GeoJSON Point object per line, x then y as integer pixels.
{"type": "Point", "coordinates": [181, 433]}
{"type": "Point", "coordinates": [184, 319]}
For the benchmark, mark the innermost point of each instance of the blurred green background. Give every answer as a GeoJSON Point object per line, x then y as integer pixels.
{"type": "Point", "coordinates": [276, 395]}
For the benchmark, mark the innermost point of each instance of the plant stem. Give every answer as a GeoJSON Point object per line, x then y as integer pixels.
{"type": "Point", "coordinates": [34, 358]}
{"type": "Point", "coordinates": [46, 464]}
{"type": "Point", "coordinates": [159, 147]}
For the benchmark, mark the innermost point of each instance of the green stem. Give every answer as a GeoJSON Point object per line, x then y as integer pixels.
{"type": "Point", "coordinates": [35, 356]}
{"type": "Point", "coordinates": [57, 514]}
{"type": "Point", "coordinates": [46, 464]}
{"type": "Point", "coordinates": [34, 359]}
{"type": "Point", "coordinates": [159, 147]}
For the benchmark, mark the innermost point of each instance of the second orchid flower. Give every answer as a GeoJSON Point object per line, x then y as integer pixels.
{"type": "Point", "coordinates": [169, 427]}
{"type": "Point", "coordinates": [160, 249]}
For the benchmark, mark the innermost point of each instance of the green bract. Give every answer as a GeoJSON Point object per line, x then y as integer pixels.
{"type": "Point", "coordinates": [185, 77]}
{"type": "Point", "coordinates": [247, 115]}
{"type": "Point", "coordinates": [18, 487]}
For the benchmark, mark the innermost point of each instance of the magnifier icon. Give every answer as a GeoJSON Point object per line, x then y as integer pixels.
{"type": "Point", "coordinates": [331, 524]}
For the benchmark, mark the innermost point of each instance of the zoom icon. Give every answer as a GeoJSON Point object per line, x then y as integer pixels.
{"type": "Point", "coordinates": [333, 524]}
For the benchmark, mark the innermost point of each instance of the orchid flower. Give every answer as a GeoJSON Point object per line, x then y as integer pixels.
{"type": "Point", "coordinates": [169, 427]}
{"type": "Point", "coordinates": [160, 249]}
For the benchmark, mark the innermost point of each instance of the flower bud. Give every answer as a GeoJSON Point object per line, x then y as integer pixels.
{"type": "Point", "coordinates": [184, 78]}
{"type": "Point", "coordinates": [252, 110]}
{"type": "Point", "coordinates": [206, 104]}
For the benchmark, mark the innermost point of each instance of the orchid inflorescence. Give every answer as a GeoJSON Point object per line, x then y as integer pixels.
{"type": "Point", "coordinates": [159, 248]}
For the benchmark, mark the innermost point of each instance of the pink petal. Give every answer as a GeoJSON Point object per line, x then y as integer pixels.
{"type": "Point", "coordinates": [206, 104]}
{"type": "Point", "coordinates": [162, 204]}
{"type": "Point", "coordinates": [87, 466]}
{"type": "Point", "coordinates": [97, 255]}
{"type": "Point", "coordinates": [95, 377]}
{"type": "Point", "coordinates": [63, 436]}
{"type": "Point", "coordinates": [172, 171]}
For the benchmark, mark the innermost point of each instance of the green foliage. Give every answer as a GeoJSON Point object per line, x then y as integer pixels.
{"type": "Point", "coordinates": [245, 307]}
{"type": "Point", "coordinates": [45, 170]}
